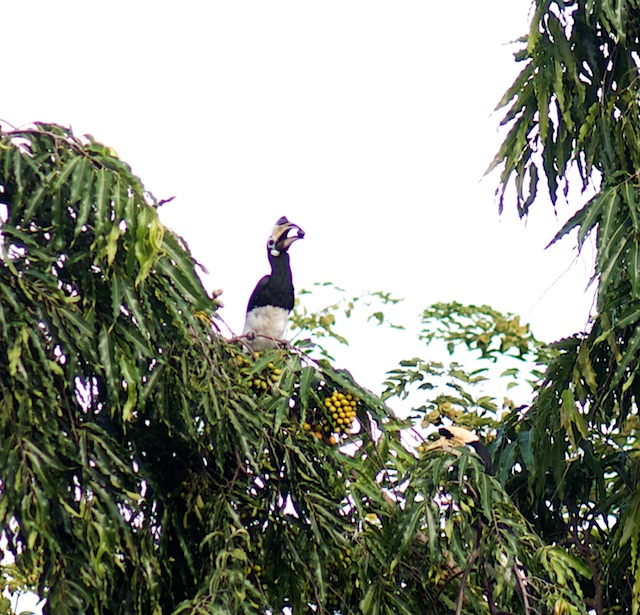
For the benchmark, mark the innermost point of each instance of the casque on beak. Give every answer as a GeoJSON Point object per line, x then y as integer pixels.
{"type": "Point", "coordinates": [284, 233]}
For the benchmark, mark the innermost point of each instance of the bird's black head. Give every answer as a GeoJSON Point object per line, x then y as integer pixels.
{"type": "Point", "coordinates": [284, 233]}
{"type": "Point", "coordinates": [457, 436]}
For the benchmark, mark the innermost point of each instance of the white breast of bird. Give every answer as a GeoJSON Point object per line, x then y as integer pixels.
{"type": "Point", "coordinates": [268, 321]}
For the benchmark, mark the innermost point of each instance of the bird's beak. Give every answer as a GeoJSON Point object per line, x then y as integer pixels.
{"type": "Point", "coordinates": [284, 233]}
{"type": "Point", "coordinates": [448, 444]}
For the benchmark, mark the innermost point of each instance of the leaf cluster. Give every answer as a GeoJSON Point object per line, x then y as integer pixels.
{"type": "Point", "coordinates": [574, 106]}
{"type": "Point", "coordinates": [132, 441]}
{"type": "Point", "coordinates": [145, 471]}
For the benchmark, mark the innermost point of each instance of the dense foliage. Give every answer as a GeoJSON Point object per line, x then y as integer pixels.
{"type": "Point", "coordinates": [573, 114]}
{"type": "Point", "coordinates": [151, 466]}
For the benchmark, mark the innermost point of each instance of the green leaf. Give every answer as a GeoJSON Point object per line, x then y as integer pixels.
{"type": "Point", "coordinates": [634, 265]}
{"type": "Point", "coordinates": [131, 377]}
{"type": "Point", "coordinates": [102, 200]}
{"type": "Point", "coordinates": [608, 224]}
{"type": "Point", "coordinates": [629, 357]}
{"type": "Point", "coordinates": [607, 262]}
{"type": "Point", "coordinates": [63, 174]}
{"type": "Point", "coordinates": [586, 368]}
{"type": "Point", "coordinates": [86, 202]}
{"type": "Point", "coordinates": [307, 376]}
{"type": "Point", "coordinates": [106, 357]}
{"type": "Point", "coordinates": [112, 244]}
{"type": "Point", "coordinates": [78, 180]}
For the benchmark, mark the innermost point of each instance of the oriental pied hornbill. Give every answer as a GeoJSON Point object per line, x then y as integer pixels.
{"type": "Point", "coordinates": [272, 299]}
{"type": "Point", "coordinates": [459, 436]}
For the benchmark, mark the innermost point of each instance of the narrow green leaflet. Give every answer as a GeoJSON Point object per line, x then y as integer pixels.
{"type": "Point", "coordinates": [102, 200]}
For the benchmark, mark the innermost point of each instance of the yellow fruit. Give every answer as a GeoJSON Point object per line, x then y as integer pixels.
{"type": "Point", "coordinates": [333, 440]}
{"type": "Point", "coordinates": [270, 365]}
{"type": "Point", "coordinates": [277, 371]}
{"type": "Point", "coordinates": [349, 396]}
{"type": "Point", "coordinates": [353, 403]}
{"type": "Point", "coordinates": [306, 426]}
{"type": "Point", "coordinates": [318, 434]}
{"type": "Point", "coordinates": [274, 376]}
{"type": "Point", "coordinates": [334, 416]}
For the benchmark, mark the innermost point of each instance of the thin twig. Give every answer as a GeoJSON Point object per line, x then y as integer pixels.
{"type": "Point", "coordinates": [521, 581]}
{"type": "Point", "coordinates": [70, 141]}
{"type": "Point", "coordinates": [489, 589]}
{"type": "Point", "coordinates": [463, 581]}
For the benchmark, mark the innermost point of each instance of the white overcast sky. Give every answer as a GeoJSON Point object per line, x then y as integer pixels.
{"type": "Point", "coordinates": [368, 123]}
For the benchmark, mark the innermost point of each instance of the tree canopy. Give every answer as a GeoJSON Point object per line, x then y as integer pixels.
{"type": "Point", "coordinates": [573, 114]}
{"type": "Point", "coordinates": [150, 465]}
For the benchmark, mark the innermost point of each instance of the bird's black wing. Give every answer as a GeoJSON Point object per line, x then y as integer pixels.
{"type": "Point", "coordinates": [269, 292]}
{"type": "Point", "coordinates": [484, 454]}
{"type": "Point", "coordinates": [260, 294]}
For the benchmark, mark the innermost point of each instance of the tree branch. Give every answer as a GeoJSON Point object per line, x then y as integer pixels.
{"type": "Point", "coordinates": [521, 581]}
{"type": "Point", "coordinates": [463, 581]}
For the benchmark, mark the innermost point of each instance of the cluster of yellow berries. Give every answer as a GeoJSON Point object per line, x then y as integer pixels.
{"type": "Point", "coordinates": [216, 300]}
{"type": "Point", "coordinates": [341, 410]}
{"type": "Point", "coordinates": [259, 382]}
{"type": "Point", "coordinates": [444, 408]}
{"type": "Point", "coordinates": [241, 360]}
{"type": "Point", "coordinates": [262, 382]}
{"type": "Point", "coordinates": [319, 429]}
{"type": "Point", "coordinates": [345, 556]}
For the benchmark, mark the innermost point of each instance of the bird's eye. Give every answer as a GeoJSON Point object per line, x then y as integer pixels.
{"type": "Point", "coordinates": [272, 242]}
